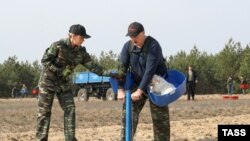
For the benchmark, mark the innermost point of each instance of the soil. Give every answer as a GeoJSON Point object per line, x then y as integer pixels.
{"type": "Point", "coordinates": [98, 120]}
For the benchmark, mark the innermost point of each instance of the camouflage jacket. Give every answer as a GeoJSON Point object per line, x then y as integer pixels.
{"type": "Point", "coordinates": [60, 59]}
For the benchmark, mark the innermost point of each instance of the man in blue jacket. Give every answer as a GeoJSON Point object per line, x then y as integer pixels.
{"type": "Point", "coordinates": [142, 55]}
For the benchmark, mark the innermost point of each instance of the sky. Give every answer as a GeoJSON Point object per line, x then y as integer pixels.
{"type": "Point", "coordinates": [28, 27]}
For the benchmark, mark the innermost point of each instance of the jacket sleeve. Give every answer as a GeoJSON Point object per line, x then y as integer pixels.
{"type": "Point", "coordinates": [90, 64]}
{"type": "Point", "coordinates": [152, 62]}
{"type": "Point", "coordinates": [49, 58]}
{"type": "Point", "coordinates": [123, 64]}
{"type": "Point", "coordinates": [94, 67]}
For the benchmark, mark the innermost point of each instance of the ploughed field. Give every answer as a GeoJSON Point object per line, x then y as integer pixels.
{"type": "Point", "coordinates": [100, 120]}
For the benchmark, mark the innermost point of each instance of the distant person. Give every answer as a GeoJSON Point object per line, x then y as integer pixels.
{"type": "Point", "coordinates": [14, 93]}
{"type": "Point", "coordinates": [230, 85]}
{"type": "Point", "coordinates": [191, 82]}
{"type": "Point", "coordinates": [24, 91]}
{"type": "Point", "coordinates": [243, 85]}
{"type": "Point", "coordinates": [35, 91]}
{"type": "Point", "coordinates": [59, 61]}
{"type": "Point", "coordinates": [143, 55]}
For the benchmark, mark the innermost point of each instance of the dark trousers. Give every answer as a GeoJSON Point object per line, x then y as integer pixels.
{"type": "Point", "coordinates": [190, 90]}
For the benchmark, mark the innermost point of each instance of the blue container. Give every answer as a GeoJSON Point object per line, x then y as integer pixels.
{"type": "Point", "coordinates": [178, 79]}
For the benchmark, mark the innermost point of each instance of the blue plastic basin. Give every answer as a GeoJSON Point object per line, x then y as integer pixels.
{"type": "Point", "coordinates": [178, 79]}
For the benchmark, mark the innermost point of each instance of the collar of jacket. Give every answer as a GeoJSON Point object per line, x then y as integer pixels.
{"type": "Point", "coordinates": [68, 43]}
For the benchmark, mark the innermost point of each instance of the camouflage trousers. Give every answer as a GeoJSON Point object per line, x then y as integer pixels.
{"type": "Point", "coordinates": [159, 115]}
{"type": "Point", "coordinates": [45, 102]}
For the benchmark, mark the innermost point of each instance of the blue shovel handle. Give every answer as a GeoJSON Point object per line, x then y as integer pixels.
{"type": "Point", "coordinates": [128, 86]}
{"type": "Point", "coordinates": [128, 116]}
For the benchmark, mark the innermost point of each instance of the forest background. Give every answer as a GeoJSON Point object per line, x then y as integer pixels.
{"type": "Point", "coordinates": [212, 69]}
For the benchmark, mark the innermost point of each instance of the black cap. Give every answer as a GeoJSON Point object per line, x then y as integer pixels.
{"type": "Point", "coordinates": [78, 29]}
{"type": "Point", "coordinates": [134, 29]}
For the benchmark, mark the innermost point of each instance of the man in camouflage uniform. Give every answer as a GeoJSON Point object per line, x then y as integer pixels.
{"type": "Point", "coordinates": [143, 56]}
{"type": "Point", "coordinates": [58, 62]}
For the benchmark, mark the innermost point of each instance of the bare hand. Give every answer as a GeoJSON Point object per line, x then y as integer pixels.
{"type": "Point", "coordinates": [137, 95]}
{"type": "Point", "coordinates": [121, 94]}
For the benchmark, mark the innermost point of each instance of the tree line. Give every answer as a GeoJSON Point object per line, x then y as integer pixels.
{"type": "Point", "coordinates": [212, 69]}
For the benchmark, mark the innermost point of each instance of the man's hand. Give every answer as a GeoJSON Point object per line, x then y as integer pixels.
{"type": "Point", "coordinates": [137, 95]}
{"type": "Point", "coordinates": [121, 94]}
{"type": "Point", "coordinates": [56, 70]}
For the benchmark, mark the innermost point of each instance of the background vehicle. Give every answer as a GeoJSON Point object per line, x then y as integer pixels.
{"type": "Point", "coordinates": [90, 84]}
